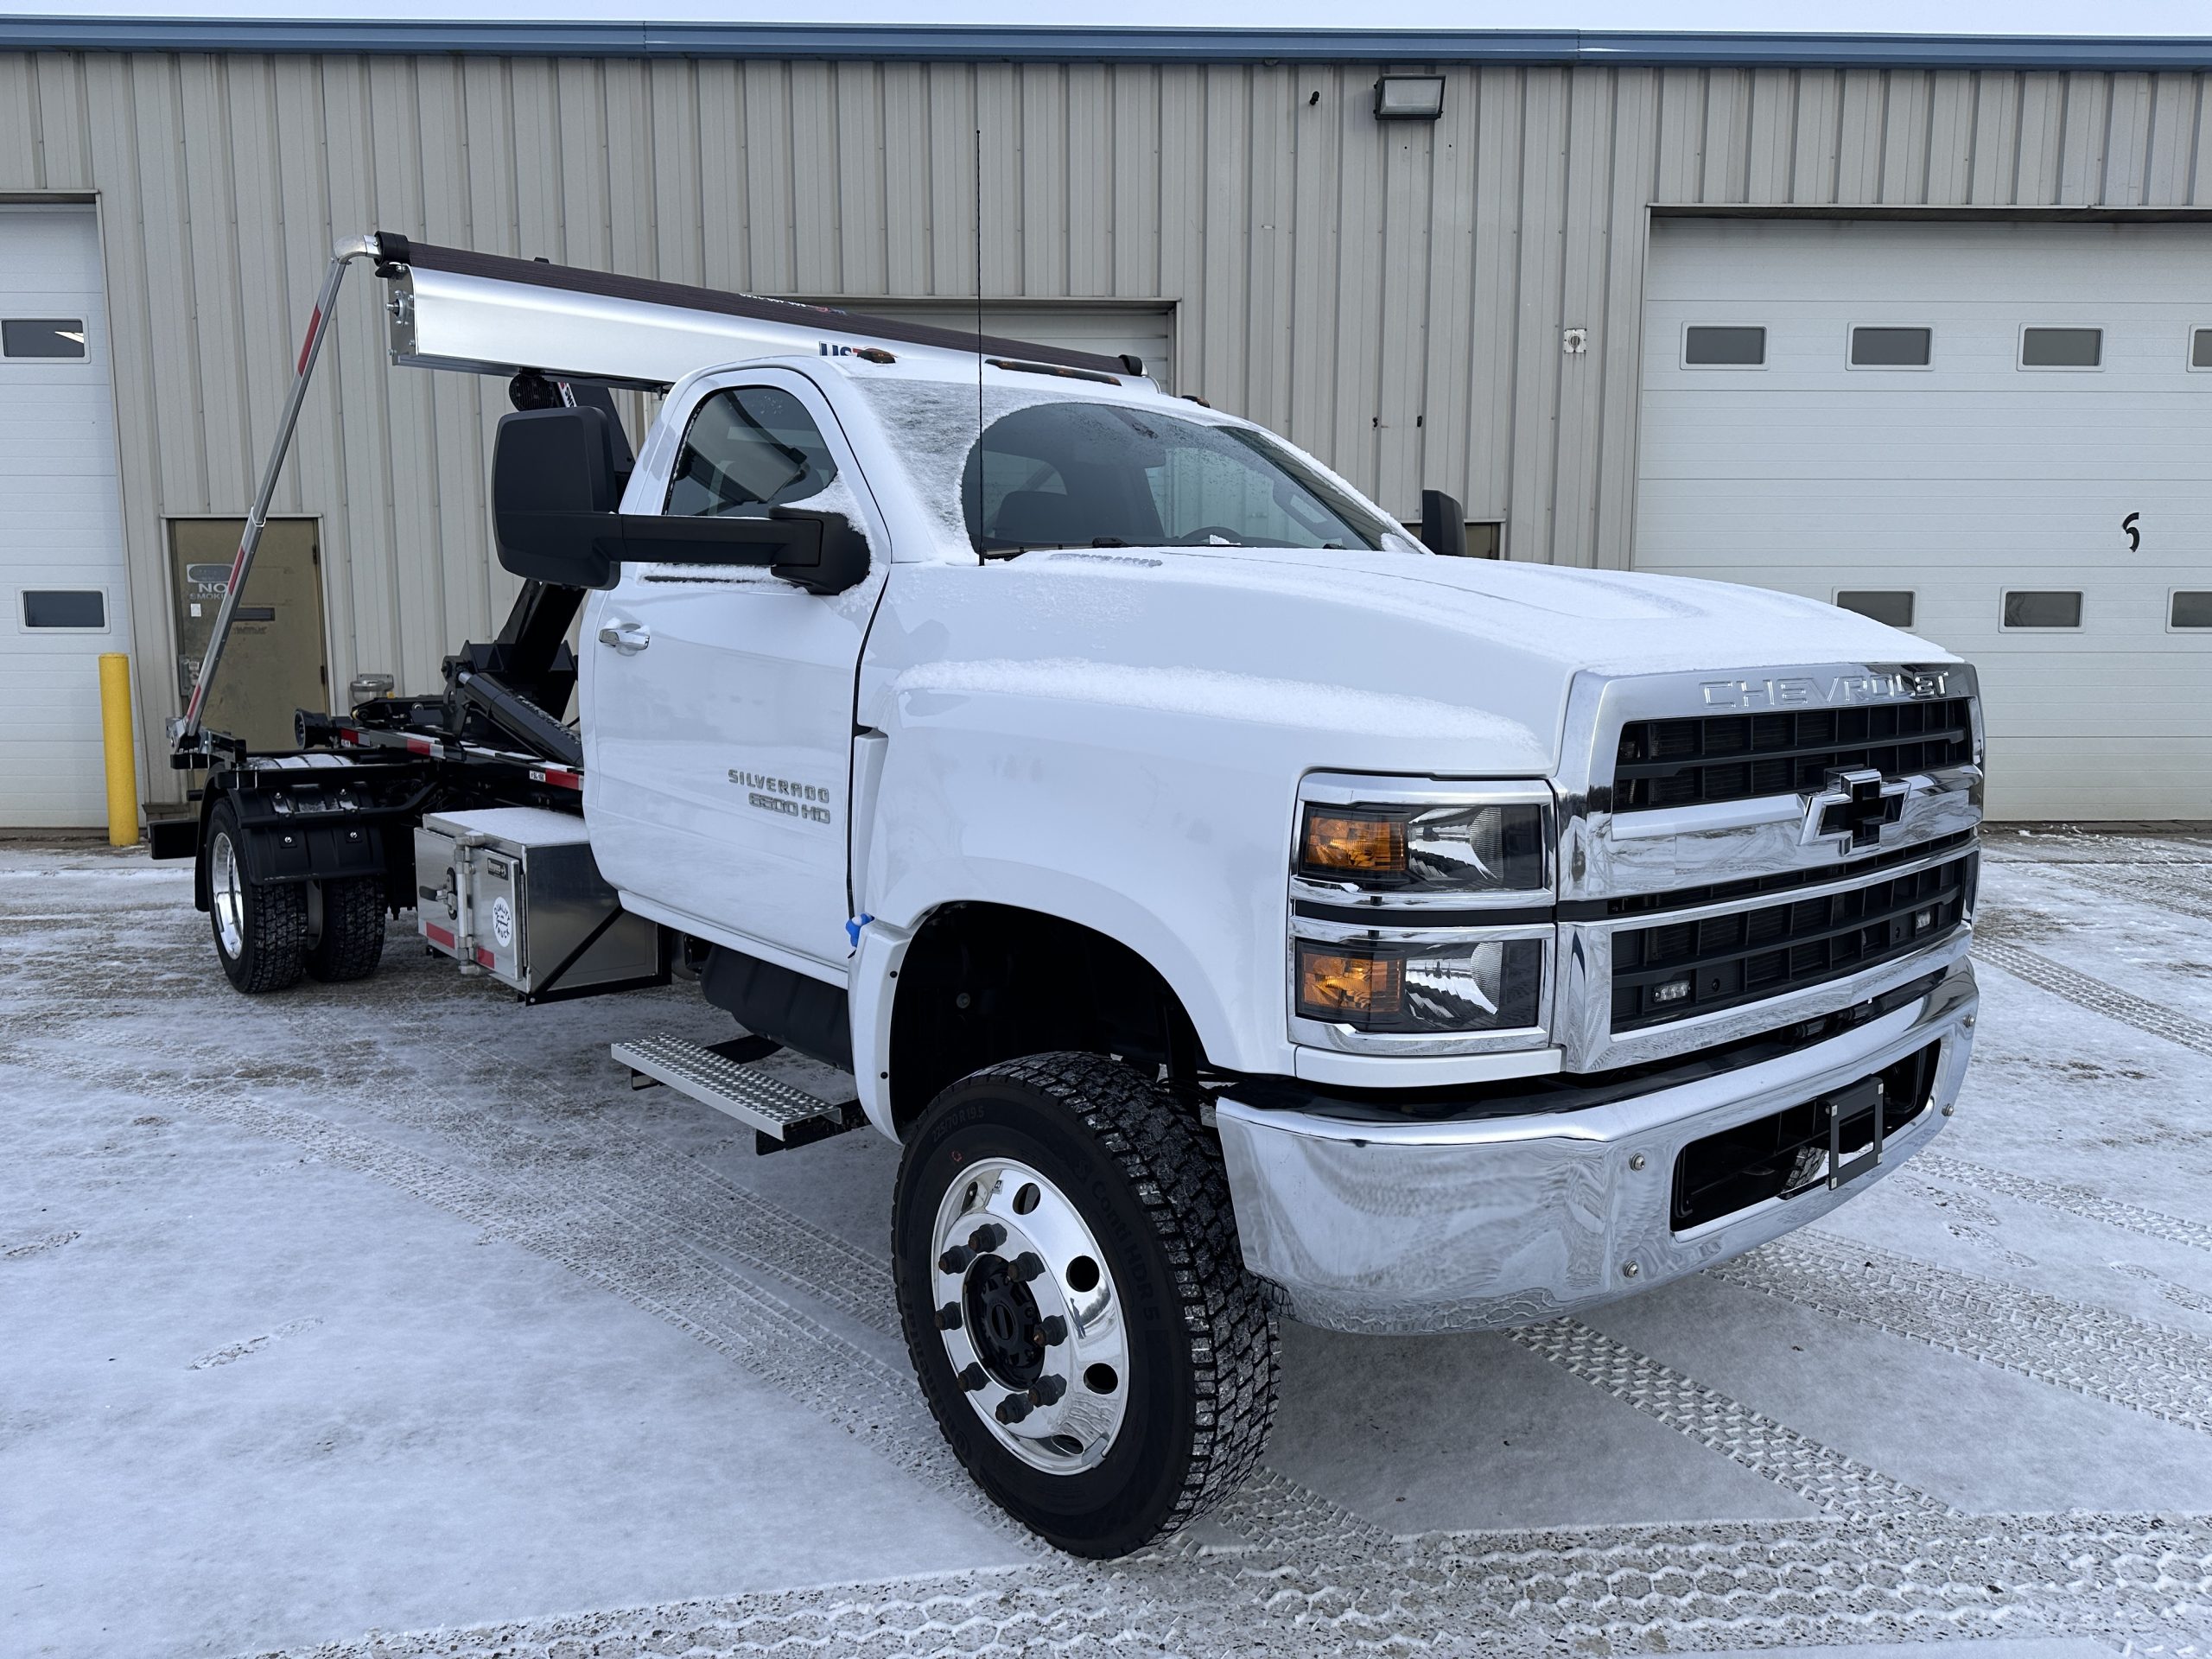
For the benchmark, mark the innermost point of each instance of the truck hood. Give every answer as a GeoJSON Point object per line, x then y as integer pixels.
{"type": "Point", "coordinates": [1601, 621]}
{"type": "Point", "coordinates": [1359, 661]}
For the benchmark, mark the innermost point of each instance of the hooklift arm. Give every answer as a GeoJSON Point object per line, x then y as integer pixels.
{"type": "Point", "coordinates": [581, 331]}
{"type": "Point", "coordinates": [186, 737]}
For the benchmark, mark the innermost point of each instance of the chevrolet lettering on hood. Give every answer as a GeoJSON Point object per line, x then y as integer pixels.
{"type": "Point", "coordinates": [1806, 690]}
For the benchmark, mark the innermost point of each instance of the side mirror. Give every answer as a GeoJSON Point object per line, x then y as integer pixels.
{"type": "Point", "coordinates": [556, 491]}
{"type": "Point", "coordinates": [1443, 524]}
{"type": "Point", "coordinates": [820, 551]}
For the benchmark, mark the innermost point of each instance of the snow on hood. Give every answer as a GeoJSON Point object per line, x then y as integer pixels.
{"type": "Point", "coordinates": [1601, 621]}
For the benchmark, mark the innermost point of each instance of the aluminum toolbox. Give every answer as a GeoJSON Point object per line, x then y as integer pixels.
{"type": "Point", "coordinates": [513, 892]}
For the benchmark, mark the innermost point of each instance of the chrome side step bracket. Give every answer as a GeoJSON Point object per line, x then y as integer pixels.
{"type": "Point", "coordinates": [779, 1112]}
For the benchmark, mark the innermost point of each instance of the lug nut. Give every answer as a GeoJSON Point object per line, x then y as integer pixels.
{"type": "Point", "coordinates": [948, 1317]}
{"type": "Point", "coordinates": [1013, 1409]}
{"type": "Point", "coordinates": [1046, 1390]}
{"type": "Point", "coordinates": [987, 1238]}
{"type": "Point", "coordinates": [1027, 1266]}
{"type": "Point", "coordinates": [956, 1260]}
{"type": "Point", "coordinates": [972, 1377]}
{"type": "Point", "coordinates": [1052, 1331]}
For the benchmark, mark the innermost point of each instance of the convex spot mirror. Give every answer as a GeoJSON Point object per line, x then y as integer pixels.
{"type": "Point", "coordinates": [556, 493]}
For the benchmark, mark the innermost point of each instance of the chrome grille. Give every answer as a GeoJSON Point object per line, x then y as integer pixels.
{"type": "Point", "coordinates": [1745, 757]}
{"type": "Point", "coordinates": [1671, 970]}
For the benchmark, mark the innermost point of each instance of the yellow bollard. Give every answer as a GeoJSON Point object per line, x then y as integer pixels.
{"type": "Point", "coordinates": [121, 758]}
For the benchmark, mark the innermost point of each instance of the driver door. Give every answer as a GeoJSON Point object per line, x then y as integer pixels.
{"type": "Point", "coordinates": [718, 700]}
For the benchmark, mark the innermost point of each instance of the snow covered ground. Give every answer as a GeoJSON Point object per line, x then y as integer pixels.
{"type": "Point", "coordinates": [388, 1320]}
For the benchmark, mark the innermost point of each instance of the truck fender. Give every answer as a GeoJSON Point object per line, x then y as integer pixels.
{"type": "Point", "coordinates": [293, 845]}
{"type": "Point", "coordinates": [1065, 898]}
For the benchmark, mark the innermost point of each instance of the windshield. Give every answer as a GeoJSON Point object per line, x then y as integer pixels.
{"type": "Point", "coordinates": [1066, 473]}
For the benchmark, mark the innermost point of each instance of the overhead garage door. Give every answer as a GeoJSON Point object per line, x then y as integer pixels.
{"type": "Point", "coordinates": [1147, 331]}
{"type": "Point", "coordinates": [61, 563]}
{"type": "Point", "coordinates": [2003, 431]}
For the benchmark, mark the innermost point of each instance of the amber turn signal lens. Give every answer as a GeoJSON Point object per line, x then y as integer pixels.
{"type": "Point", "coordinates": [1337, 985]}
{"type": "Point", "coordinates": [1356, 844]}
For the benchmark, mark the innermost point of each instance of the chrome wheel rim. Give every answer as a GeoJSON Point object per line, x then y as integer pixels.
{"type": "Point", "coordinates": [1030, 1316]}
{"type": "Point", "coordinates": [226, 895]}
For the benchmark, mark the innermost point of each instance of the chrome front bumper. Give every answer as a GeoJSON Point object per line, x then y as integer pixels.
{"type": "Point", "coordinates": [1483, 1222]}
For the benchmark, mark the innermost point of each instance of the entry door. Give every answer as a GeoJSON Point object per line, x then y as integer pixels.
{"type": "Point", "coordinates": [719, 701]}
{"type": "Point", "coordinates": [61, 559]}
{"type": "Point", "coordinates": [273, 663]}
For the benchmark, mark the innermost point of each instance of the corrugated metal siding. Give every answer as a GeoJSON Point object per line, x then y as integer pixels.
{"type": "Point", "coordinates": [1390, 295]}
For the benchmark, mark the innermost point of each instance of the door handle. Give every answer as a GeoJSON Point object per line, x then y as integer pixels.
{"type": "Point", "coordinates": [628, 638]}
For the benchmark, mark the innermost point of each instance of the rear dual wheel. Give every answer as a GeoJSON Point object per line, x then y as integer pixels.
{"type": "Point", "coordinates": [1075, 1303]}
{"type": "Point", "coordinates": [269, 933]}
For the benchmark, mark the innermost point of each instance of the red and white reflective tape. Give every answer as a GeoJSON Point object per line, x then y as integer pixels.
{"type": "Point", "coordinates": [437, 935]}
{"type": "Point", "coordinates": [421, 745]}
{"type": "Point", "coordinates": [484, 958]}
{"type": "Point", "coordinates": [559, 777]}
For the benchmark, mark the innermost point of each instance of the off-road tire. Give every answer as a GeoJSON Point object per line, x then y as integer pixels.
{"type": "Point", "coordinates": [352, 941]}
{"type": "Point", "coordinates": [1204, 1337]}
{"type": "Point", "coordinates": [272, 922]}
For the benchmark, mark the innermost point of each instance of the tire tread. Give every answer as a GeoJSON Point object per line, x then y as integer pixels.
{"type": "Point", "coordinates": [352, 930]}
{"type": "Point", "coordinates": [1175, 1168]}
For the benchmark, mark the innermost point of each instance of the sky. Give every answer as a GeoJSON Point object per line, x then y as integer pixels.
{"type": "Point", "coordinates": [2122, 17]}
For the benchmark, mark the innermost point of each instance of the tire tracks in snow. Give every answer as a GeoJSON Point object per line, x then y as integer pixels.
{"type": "Point", "coordinates": [2066, 1198]}
{"type": "Point", "coordinates": [2153, 1369]}
{"type": "Point", "coordinates": [1917, 1577]}
{"type": "Point", "coordinates": [2094, 994]}
{"type": "Point", "coordinates": [1820, 1474]}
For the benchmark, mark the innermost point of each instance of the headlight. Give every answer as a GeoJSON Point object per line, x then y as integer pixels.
{"type": "Point", "coordinates": [1418, 848]}
{"type": "Point", "coordinates": [1484, 985]}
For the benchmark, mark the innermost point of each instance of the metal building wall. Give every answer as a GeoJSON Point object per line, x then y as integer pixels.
{"type": "Point", "coordinates": [1390, 295]}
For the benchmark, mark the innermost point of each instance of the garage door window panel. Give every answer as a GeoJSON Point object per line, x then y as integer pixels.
{"type": "Point", "coordinates": [2042, 609]}
{"type": "Point", "coordinates": [1724, 345]}
{"type": "Point", "coordinates": [1893, 606]}
{"type": "Point", "coordinates": [2188, 609]}
{"type": "Point", "coordinates": [2061, 348]}
{"type": "Point", "coordinates": [1889, 345]}
{"type": "Point", "coordinates": [65, 610]}
{"type": "Point", "coordinates": [2200, 350]}
{"type": "Point", "coordinates": [44, 338]}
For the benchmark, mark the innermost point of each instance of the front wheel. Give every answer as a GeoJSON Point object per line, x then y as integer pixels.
{"type": "Point", "coordinates": [1075, 1302]}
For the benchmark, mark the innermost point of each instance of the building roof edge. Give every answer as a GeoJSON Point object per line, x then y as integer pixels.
{"type": "Point", "coordinates": [1044, 43]}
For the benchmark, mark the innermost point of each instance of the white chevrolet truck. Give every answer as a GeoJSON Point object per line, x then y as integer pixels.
{"type": "Point", "coordinates": [1235, 906]}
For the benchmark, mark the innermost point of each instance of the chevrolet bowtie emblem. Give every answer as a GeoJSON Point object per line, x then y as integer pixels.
{"type": "Point", "coordinates": [1855, 808]}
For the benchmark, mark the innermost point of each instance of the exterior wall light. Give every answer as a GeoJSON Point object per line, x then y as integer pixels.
{"type": "Point", "coordinates": [1409, 98]}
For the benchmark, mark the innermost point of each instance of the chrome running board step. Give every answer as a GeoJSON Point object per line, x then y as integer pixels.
{"type": "Point", "coordinates": [780, 1115]}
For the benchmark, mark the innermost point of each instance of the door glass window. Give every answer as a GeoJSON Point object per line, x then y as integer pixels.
{"type": "Point", "coordinates": [65, 608]}
{"type": "Point", "coordinates": [2199, 348]}
{"type": "Point", "coordinates": [2190, 610]}
{"type": "Point", "coordinates": [2042, 610]}
{"type": "Point", "coordinates": [1734, 347]}
{"type": "Point", "coordinates": [1891, 348]}
{"type": "Point", "coordinates": [749, 449]}
{"type": "Point", "coordinates": [1893, 606]}
{"type": "Point", "coordinates": [42, 337]}
{"type": "Point", "coordinates": [2061, 348]}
